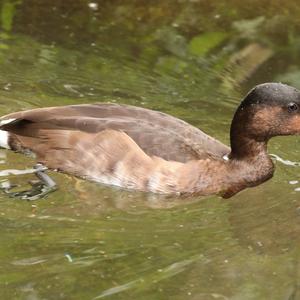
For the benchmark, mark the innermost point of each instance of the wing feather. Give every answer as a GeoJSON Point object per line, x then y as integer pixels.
{"type": "Point", "coordinates": [156, 133]}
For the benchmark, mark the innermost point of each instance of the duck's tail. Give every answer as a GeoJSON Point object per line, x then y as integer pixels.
{"type": "Point", "coordinates": [4, 132]}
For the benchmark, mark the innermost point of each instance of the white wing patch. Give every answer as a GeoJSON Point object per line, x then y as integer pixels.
{"type": "Point", "coordinates": [4, 122]}
{"type": "Point", "coordinates": [4, 136]}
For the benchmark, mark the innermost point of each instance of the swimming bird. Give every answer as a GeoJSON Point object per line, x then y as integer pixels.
{"type": "Point", "coordinates": [137, 148]}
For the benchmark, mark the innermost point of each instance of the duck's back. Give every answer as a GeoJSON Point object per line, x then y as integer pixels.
{"type": "Point", "coordinates": [154, 132]}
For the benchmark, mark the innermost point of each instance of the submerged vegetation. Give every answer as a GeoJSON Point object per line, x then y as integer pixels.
{"type": "Point", "coordinates": [171, 39]}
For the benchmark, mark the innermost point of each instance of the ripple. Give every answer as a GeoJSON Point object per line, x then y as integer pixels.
{"type": "Point", "coordinates": [285, 161]}
{"type": "Point", "coordinates": [117, 289]}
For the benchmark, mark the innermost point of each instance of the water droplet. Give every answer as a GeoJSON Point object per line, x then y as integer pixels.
{"type": "Point", "coordinates": [69, 258]}
{"type": "Point", "coordinates": [293, 181]}
{"type": "Point", "coordinates": [7, 87]}
{"type": "Point", "coordinates": [93, 5]}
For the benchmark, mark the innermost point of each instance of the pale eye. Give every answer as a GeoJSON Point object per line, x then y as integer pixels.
{"type": "Point", "coordinates": [292, 107]}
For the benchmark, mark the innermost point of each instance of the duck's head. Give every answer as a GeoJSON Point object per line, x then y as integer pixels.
{"type": "Point", "coordinates": [268, 110]}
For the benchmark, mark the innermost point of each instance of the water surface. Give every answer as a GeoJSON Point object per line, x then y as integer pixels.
{"type": "Point", "coordinates": [194, 60]}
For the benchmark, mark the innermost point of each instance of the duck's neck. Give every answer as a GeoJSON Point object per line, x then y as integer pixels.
{"type": "Point", "coordinates": [244, 141]}
{"type": "Point", "coordinates": [247, 148]}
{"type": "Point", "coordinates": [249, 164]}
{"type": "Point", "coordinates": [212, 176]}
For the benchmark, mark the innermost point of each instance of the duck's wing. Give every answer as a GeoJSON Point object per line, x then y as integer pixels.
{"type": "Point", "coordinates": [156, 133]}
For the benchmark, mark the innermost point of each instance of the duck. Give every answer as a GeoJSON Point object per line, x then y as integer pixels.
{"type": "Point", "coordinates": [141, 149]}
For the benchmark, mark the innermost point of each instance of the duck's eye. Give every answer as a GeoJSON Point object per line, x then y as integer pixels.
{"type": "Point", "coordinates": [292, 107]}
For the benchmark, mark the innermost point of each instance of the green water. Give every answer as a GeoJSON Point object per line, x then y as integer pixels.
{"type": "Point", "coordinates": [192, 59]}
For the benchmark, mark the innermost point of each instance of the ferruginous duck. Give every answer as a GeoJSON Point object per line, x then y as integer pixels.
{"type": "Point", "coordinates": [146, 150]}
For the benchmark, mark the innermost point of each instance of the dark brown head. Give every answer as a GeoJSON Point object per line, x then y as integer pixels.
{"type": "Point", "coordinates": [268, 110]}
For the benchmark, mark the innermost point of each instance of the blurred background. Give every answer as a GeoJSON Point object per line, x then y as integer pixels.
{"type": "Point", "coordinates": [194, 59]}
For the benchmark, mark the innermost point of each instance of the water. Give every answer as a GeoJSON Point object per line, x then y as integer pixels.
{"type": "Point", "coordinates": [194, 60]}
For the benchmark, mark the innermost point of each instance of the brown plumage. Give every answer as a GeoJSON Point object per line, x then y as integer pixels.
{"type": "Point", "coordinates": [146, 150]}
{"type": "Point", "coordinates": [155, 132]}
